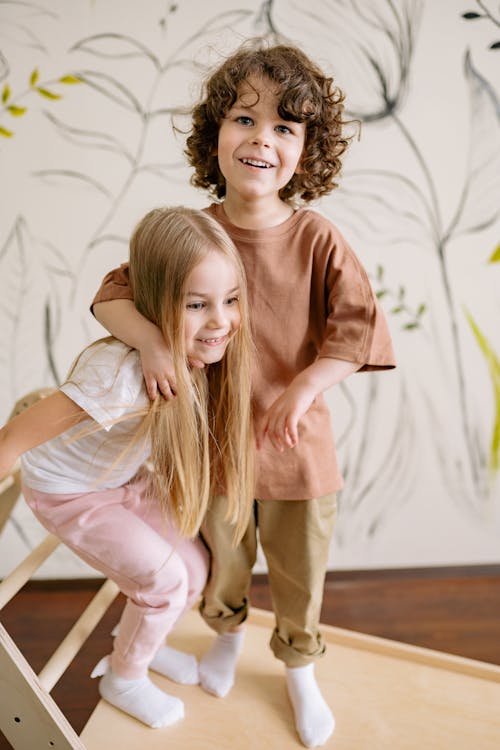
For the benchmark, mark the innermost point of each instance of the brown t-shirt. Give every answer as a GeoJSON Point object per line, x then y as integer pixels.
{"type": "Point", "coordinates": [309, 296]}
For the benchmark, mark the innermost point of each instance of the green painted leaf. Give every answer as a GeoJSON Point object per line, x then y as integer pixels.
{"type": "Point", "coordinates": [5, 93]}
{"type": "Point", "coordinates": [6, 133]}
{"type": "Point", "coordinates": [421, 309]}
{"type": "Point", "coordinates": [410, 326]}
{"type": "Point", "coordinates": [48, 94]}
{"type": "Point", "coordinates": [495, 258]}
{"type": "Point", "coordinates": [70, 79]}
{"type": "Point", "coordinates": [397, 310]}
{"type": "Point", "coordinates": [16, 111]}
{"type": "Point", "coordinates": [381, 293]}
{"type": "Point", "coordinates": [34, 77]}
{"type": "Point", "coordinates": [494, 369]}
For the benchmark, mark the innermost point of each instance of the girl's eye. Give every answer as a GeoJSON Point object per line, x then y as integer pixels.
{"type": "Point", "coordinates": [247, 121]}
{"type": "Point", "coordinates": [232, 301]}
{"type": "Point", "coordinates": [195, 306]}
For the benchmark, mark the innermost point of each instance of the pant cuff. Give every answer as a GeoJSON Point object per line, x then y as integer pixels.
{"type": "Point", "coordinates": [291, 656]}
{"type": "Point", "coordinates": [222, 622]}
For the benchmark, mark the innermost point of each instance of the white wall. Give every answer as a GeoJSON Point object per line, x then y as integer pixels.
{"type": "Point", "coordinates": [419, 200]}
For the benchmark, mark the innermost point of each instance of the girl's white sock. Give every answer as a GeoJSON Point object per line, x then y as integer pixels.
{"type": "Point", "coordinates": [141, 699]}
{"type": "Point", "coordinates": [176, 665]}
{"type": "Point", "coordinates": [218, 666]}
{"type": "Point", "coordinates": [313, 719]}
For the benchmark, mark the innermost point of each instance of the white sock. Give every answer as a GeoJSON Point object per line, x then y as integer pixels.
{"type": "Point", "coordinates": [141, 699]}
{"type": "Point", "coordinates": [176, 665]}
{"type": "Point", "coordinates": [313, 719]}
{"type": "Point", "coordinates": [218, 666]}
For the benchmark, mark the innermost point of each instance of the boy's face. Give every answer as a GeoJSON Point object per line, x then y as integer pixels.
{"type": "Point", "coordinates": [212, 313]}
{"type": "Point", "coordinates": [258, 151]}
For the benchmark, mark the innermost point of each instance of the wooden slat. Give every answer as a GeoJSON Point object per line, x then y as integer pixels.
{"type": "Point", "coordinates": [16, 580]}
{"type": "Point", "coordinates": [29, 718]}
{"type": "Point", "coordinates": [10, 489]}
{"type": "Point", "coordinates": [72, 643]}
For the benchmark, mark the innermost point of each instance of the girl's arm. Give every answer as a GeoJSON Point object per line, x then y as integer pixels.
{"type": "Point", "coordinates": [43, 421]}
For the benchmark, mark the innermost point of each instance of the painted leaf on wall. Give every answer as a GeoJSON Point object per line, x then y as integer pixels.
{"type": "Point", "coordinates": [493, 364]}
{"type": "Point", "coordinates": [479, 204]}
{"type": "Point", "coordinates": [21, 310]}
{"type": "Point", "coordinates": [115, 46]}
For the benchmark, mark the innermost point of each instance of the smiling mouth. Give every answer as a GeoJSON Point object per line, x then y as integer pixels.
{"type": "Point", "coordinates": [214, 341]}
{"type": "Point", "coordinates": [257, 163]}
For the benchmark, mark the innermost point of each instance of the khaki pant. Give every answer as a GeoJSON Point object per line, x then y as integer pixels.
{"type": "Point", "coordinates": [295, 537]}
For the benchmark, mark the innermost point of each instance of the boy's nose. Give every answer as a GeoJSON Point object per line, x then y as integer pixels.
{"type": "Point", "coordinates": [261, 138]}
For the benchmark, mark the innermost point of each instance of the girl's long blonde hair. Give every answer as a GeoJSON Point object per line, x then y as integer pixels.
{"type": "Point", "coordinates": [201, 441]}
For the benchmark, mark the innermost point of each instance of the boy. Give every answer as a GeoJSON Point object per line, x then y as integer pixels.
{"type": "Point", "coordinates": [269, 129]}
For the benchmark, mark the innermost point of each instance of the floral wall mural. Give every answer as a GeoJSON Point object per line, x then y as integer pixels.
{"type": "Point", "coordinates": [87, 146]}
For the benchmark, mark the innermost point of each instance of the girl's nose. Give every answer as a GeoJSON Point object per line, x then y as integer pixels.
{"type": "Point", "coordinates": [218, 318]}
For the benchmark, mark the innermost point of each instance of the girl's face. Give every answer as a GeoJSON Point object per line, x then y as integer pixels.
{"type": "Point", "coordinates": [212, 313]}
{"type": "Point", "coordinates": [258, 151]}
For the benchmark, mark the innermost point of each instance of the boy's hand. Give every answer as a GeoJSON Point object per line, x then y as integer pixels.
{"type": "Point", "coordinates": [281, 422]}
{"type": "Point", "coordinates": [282, 419]}
{"type": "Point", "coordinates": [158, 368]}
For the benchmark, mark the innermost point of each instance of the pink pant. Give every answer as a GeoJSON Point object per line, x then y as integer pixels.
{"type": "Point", "coordinates": [128, 540]}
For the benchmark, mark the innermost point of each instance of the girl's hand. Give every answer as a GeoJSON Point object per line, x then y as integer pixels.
{"type": "Point", "coordinates": [158, 368]}
{"type": "Point", "coordinates": [282, 419]}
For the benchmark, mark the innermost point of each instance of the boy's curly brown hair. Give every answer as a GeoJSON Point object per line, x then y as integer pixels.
{"type": "Point", "coordinates": [307, 95]}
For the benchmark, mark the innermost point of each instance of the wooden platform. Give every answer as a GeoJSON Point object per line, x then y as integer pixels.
{"type": "Point", "coordinates": [385, 696]}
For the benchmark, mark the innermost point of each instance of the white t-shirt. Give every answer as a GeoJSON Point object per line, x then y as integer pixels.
{"type": "Point", "coordinates": [108, 384]}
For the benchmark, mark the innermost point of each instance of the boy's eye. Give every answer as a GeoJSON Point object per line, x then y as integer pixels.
{"type": "Point", "coordinates": [283, 129]}
{"type": "Point", "coordinates": [195, 305]}
{"type": "Point", "coordinates": [247, 121]}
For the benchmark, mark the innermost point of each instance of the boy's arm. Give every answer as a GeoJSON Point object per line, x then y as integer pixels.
{"type": "Point", "coordinates": [122, 319]}
{"type": "Point", "coordinates": [114, 308]}
{"type": "Point", "coordinates": [282, 419]}
{"type": "Point", "coordinates": [43, 421]}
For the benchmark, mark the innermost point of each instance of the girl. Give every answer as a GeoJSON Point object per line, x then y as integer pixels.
{"type": "Point", "coordinates": [83, 447]}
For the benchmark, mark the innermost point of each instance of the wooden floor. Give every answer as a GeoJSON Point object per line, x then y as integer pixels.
{"type": "Point", "coordinates": [451, 609]}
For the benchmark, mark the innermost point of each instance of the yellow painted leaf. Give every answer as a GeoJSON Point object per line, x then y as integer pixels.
{"type": "Point", "coordinates": [5, 93]}
{"type": "Point", "coordinates": [493, 364]}
{"type": "Point", "coordinates": [495, 258]}
{"type": "Point", "coordinates": [70, 79]}
{"type": "Point", "coordinates": [34, 77]}
{"type": "Point", "coordinates": [48, 94]}
{"type": "Point", "coordinates": [16, 111]}
{"type": "Point", "coordinates": [6, 133]}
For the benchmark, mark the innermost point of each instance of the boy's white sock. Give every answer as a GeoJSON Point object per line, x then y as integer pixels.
{"type": "Point", "coordinates": [176, 665]}
{"type": "Point", "coordinates": [313, 719]}
{"type": "Point", "coordinates": [141, 699]}
{"type": "Point", "coordinates": [218, 666]}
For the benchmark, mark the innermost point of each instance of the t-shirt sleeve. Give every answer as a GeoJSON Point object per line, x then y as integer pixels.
{"type": "Point", "coordinates": [107, 382]}
{"type": "Point", "coordinates": [115, 285]}
{"type": "Point", "coordinates": [356, 327]}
